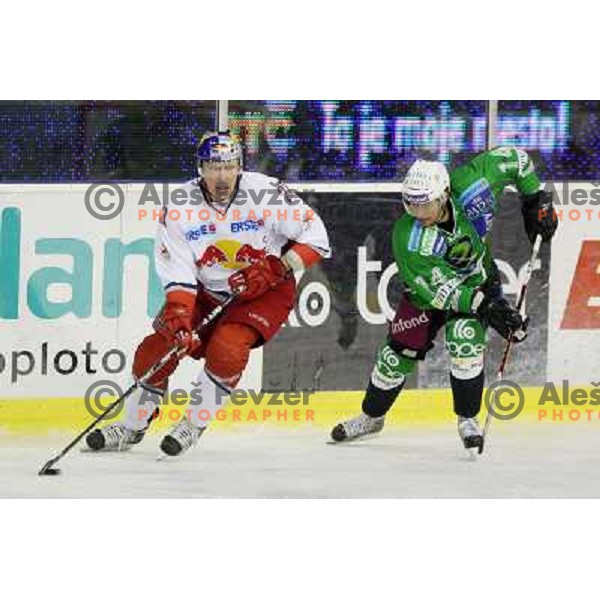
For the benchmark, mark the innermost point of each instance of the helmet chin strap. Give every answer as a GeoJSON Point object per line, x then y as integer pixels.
{"type": "Point", "coordinates": [212, 200]}
{"type": "Point", "coordinates": [443, 211]}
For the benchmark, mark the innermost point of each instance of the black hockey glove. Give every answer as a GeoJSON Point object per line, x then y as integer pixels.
{"type": "Point", "coordinates": [539, 216]}
{"type": "Point", "coordinates": [501, 316]}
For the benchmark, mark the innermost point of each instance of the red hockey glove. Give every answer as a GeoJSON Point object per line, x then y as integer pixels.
{"type": "Point", "coordinates": [259, 277]}
{"type": "Point", "coordinates": [177, 319]}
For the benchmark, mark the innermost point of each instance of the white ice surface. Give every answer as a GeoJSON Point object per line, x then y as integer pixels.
{"type": "Point", "coordinates": [522, 461]}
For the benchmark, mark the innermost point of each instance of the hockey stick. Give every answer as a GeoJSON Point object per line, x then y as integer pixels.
{"type": "Point", "coordinates": [49, 469]}
{"type": "Point", "coordinates": [503, 361]}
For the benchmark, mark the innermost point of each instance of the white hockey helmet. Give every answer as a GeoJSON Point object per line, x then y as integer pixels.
{"type": "Point", "coordinates": [425, 181]}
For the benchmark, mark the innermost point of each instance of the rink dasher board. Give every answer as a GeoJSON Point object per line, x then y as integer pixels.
{"type": "Point", "coordinates": [418, 408]}
{"type": "Point", "coordinates": [46, 230]}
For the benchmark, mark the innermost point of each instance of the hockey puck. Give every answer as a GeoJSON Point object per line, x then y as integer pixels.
{"type": "Point", "coordinates": [49, 472]}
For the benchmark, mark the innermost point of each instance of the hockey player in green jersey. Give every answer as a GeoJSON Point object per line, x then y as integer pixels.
{"type": "Point", "coordinates": [450, 279]}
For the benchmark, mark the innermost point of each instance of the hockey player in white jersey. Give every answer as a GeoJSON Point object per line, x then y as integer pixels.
{"type": "Point", "coordinates": [240, 233]}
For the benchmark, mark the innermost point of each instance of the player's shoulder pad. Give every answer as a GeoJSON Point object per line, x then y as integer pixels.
{"type": "Point", "coordinates": [468, 191]}
{"type": "Point", "coordinates": [260, 188]}
{"type": "Point", "coordinates": [424, 241]}
{"type": "Point", "coordinates": [254, 179]}
{"type": "Point", "coordinates": [513, 158]}
{"type": "Point", "coordinates": [187, 192]}
{"type": "Point", "coordinates": [275, 187]}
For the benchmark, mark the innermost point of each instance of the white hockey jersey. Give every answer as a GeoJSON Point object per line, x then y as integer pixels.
{"type": "Point", "coordinates": [196, 242]}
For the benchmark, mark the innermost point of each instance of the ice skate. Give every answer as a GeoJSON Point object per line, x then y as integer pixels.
{"type": "Point", "coordinates": [470, 434]}
{"type": "Point", "coordinates": [182, 437]}
{"type": "Point", "coordinates": [357, 427]}
{"type": "Point", "coordinates": [114, 438]}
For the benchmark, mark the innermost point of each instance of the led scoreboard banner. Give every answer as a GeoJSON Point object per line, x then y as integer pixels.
{"type": "Point", "coordinates": [362, 140]}
{"type": "Point", "coordinates": [378, 140]}
{"type": "Point", "coordinates": [314, 140]}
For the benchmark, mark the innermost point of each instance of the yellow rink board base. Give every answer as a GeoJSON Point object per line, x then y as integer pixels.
{"type": "Point", "coordinates": [414, 408]}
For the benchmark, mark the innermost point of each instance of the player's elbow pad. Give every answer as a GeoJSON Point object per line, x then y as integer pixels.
{"type": "Point", "coordinates": [301, 256]}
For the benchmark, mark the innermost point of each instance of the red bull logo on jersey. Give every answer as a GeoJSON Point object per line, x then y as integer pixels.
{"type": "Point", "coordinates": [230, 254]}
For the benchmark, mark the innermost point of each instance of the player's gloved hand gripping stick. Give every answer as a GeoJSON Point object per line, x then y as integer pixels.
{"type": "Point", "coordinates": [521, 308]}
{"type": "Point", "coordinates": [259, 277]}
{"type": "Point", "coordinates": [177, 350]}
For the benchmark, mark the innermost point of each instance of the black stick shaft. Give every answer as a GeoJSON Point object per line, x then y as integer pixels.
{"type": "Point", "coordinates": [154, 369]}
{"type": "Point", "coordinates": [145, 377]}
{"type": "Point", "coordinates": [509, 343]}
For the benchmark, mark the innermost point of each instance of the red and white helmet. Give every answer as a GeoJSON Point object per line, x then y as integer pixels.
{"type": "Point", "coordinates": [218, 147]}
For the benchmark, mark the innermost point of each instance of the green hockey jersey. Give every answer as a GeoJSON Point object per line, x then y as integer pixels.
{"type": "Point", "coordinates": [442, 269]}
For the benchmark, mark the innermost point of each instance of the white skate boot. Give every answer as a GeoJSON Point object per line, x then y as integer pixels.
{"type": "Point", "coordinates": [182, 437]}
{"type": "Point", "coordinates": [357, 427]}
{"type": "Point", "coordinates": [470, 434]}
{"type": "Point", "coordinates": [114, 438]}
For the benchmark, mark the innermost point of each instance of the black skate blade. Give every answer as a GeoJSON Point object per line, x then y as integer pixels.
{"type": "Point", "coordinates": [167, 458]}
{"type": "Point", "coordinates": [88, 450]}
{"type": "Point", "coordinates": [353, 441]}
{"type": "Point", "coordinates": [345, 442]}
{"type": "Point", "coordinates": [162, 457]}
